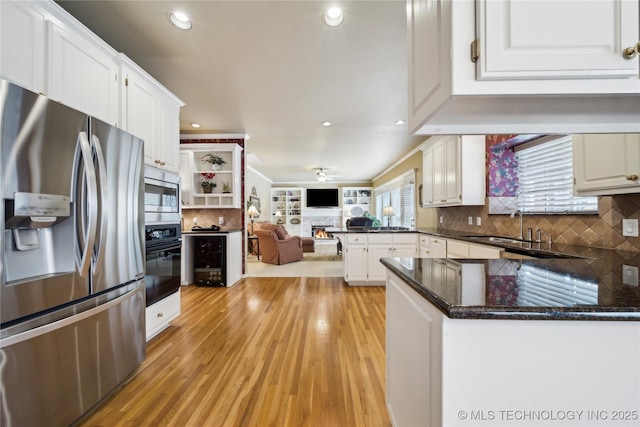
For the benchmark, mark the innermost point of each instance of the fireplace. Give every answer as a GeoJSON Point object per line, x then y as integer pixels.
{"type": "Point", "coordinates": [320, 232]}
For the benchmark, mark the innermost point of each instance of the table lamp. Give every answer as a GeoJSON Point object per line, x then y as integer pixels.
{"type": "Point", "coordinates": [252, 211]}
{"type": "Point", "coordinates": [388, 212]}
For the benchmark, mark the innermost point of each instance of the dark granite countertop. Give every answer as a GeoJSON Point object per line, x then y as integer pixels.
{"type": "Point", "coordinates": [210, 232]}
{"type": "Point", "coordinates": [605, 288]}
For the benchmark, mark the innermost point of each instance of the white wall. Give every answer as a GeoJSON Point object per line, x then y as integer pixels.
{"type": "Point", "coordinates": [263, 189]}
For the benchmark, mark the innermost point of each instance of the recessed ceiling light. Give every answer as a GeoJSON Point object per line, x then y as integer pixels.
{"type": "Point", "coordinates": [180, 20]}
{"type": "Point", "coordinates": [195, 125]}
{"type": "Point", "coordinates": [400, 122]}
{"type": "Point", "coordinates": [326, 123]}
{"type": "Point", "coordinates": [333, 17]}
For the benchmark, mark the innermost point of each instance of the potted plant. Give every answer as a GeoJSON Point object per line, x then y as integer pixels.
{"type": "Point", "coordinates": [206, 182]}
{"type": "Point", "coordinates": [226, 188]}
{"type": "Point", "coordinates": [215, 161]}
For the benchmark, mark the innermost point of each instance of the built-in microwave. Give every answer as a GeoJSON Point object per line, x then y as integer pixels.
{"type": "Point", "coordinates": [161, 196]}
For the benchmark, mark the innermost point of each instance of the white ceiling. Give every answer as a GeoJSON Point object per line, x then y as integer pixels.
{"type": "Point", "coordinates": [275, 71]}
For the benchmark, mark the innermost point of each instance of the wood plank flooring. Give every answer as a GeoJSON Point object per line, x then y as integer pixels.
{"type": "Point", "coordinates": [265, 352]}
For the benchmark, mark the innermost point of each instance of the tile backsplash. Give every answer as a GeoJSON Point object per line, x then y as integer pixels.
{"type": "Point", "coordinates": [603, 230]}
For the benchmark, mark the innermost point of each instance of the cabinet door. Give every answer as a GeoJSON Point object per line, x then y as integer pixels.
{"type": "Point", "coordinates": [356, 263]}
{"type": "Point", "coordinates": [404, 251]}
{"type": "Point", "coordinates": [606, 164]}
{"type": "Point", "coordinates": [22, 45]}
{"type": "Point", "coordinates": [82, 74]}
{"type": "Point", "coordinates": [439, 176]}
{"type": "Point", "coordinates": [556, 39]}
{"type": "Point", "coordinates": [457, 249]}
{"type": "Point", "coordinates": [438, 247]}
{"type": "Point", "coordinates": [452, 171]}
{"type": "Point", "coordinates": [429, 40]}
{"type": "Point", "coordinates": [139, 111]}
{"type": "Point", "coordinates": [377, 271]}
{"type": "Point", "coordinates": [168, 133]}
{"type": "Point", "coordinates": [484, 252]}
{"type": "Point", "coordinates": [427, 177]}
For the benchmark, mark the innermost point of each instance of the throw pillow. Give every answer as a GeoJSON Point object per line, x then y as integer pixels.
{"type": "Point", "coordinates": [281, 232]}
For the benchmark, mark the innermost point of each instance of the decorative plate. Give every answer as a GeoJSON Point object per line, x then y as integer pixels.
{"type": "Point", "coordinates": [356, 211]}
{"type": "Point", "coordinates": [295, 221]}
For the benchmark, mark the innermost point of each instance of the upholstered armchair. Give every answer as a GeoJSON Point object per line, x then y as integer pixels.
{"type": "Point", "coordinates": [276, 246]}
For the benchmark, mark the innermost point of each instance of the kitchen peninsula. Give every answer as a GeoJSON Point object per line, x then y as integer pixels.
{"type": "Point", "coordinates": [513, 343]}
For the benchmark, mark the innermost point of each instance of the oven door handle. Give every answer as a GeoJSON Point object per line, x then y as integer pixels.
{"type": "Point", "coordinates": [168, 247]}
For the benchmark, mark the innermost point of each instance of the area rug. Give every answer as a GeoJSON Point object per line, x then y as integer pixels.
{"type": "Point", "coordinates": [313, 256]}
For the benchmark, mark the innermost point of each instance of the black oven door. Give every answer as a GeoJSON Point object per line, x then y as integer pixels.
{"type": "Point", "coordinates": [162, 277]}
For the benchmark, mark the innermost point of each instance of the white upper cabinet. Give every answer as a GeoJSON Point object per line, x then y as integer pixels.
{"type": "Point", "coordinates": [22, 45]}
{"type": "Point", "coordinates": [82, 73]}
{"type": "Point", "coordinates": [46, 50]}
{"type": "Point", "coordinates": [539, 67]}
{"type": "Point", "coordinates": [557, 39]}
{"type": "Point", "coordinates": [606, 164]}
{"type": "Point", "coordinates": [152, 113]}
{"type": "Point", "coordinates": [453, 171]}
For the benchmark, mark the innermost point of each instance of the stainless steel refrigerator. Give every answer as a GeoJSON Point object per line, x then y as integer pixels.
{"type": "Point", "coordinates": [71, 291]}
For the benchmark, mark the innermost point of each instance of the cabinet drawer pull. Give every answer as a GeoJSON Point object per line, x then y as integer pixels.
{"type": "Point", "coordinates": [632, 177]}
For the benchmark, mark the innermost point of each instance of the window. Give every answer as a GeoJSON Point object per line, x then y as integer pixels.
{"type": "Point", "coordinates": [399, 194]}
{"type": "Point", "coordinates": [545, 174]}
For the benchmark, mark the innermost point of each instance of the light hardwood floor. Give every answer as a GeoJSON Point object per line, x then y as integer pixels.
{"type": "Point", "coordinates": [265, 352]}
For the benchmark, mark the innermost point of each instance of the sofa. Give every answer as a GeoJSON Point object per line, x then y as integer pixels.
{"type": "Point", "coordinates": [276, 245]}
{"type": "Point", "coordinates": [308, 243]}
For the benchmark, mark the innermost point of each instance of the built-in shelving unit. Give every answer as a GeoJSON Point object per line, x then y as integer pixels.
{"type": "Point", "coordinates": [193, 171]}
{"type": "Point", "coordinates": [288, 202]}
{"type": "Point", "coordinates": [356, 201]}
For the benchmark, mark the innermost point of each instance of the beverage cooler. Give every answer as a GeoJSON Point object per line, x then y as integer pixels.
{"type": "Point", "coordinates": [209, 260]}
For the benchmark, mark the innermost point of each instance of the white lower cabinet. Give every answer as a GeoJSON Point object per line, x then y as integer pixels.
{"type": "Point", "coordinates": [159, 315]}
{"type": "Point", "coordinates": [436, 365]}
{"type": "Point", "coordinates": [364, 250]}
{"type": "Point", "coordinates": [438, 247]}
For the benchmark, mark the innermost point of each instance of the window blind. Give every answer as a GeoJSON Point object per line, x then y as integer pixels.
{"type": "Point", "coordinates": [399, 194]}
{"type": "Point", "coordinates": [545, 174]}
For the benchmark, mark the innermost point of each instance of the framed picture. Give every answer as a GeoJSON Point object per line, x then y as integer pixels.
{"type": "Point", "coordinates": [255, 201]}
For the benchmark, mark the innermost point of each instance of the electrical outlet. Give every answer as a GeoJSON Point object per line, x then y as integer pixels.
{"type": "Point", "coordinates": [221, 220]}
{"type": "Point", "coordinates": [194, 221]}
{"type": "Point", "coordinates": [478, 221]}
{"type": "Point", "coordinates": [470, 220]}
{"type": "Point", "coordinates": [441, 219]}
{"type": "Point", "coordinates": [630, 227]}
{"type": "Point", "coordinates": [630, 275]}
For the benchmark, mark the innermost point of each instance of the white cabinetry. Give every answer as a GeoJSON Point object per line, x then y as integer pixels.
{"type": "Point", "coordinates": [438, 247]}
{"type": "Point", "coordinates": [82, 72]}
{"type": "Point", "coordinates": [22, 45]}
{"type": "Point", "coordinates": [152, 113]}
{"type": "Point", "coordinates": [606, 164]}
{"type": "Point", "coordinates": [355, 202]}
{"type": "Point", "coordinates": [193, 171]}
{"type": "Point", "coordinates": [459, 249]}
{"type": "Point", "coordinates": [453, 169]}
{"type": "Point", "coordinates": [435, 365]}
{"type": "Point", "coordinates": [538, 69]}
{"type": "Point", "coordinates": [288, 202]}
{"type": "Point", "coordinates": [364, 250]}
{"type": "Point", "coordinates": [159, 315]}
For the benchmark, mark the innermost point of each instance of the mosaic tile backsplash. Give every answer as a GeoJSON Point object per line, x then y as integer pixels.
{"type": "Point", "coordinates": [603, 230]}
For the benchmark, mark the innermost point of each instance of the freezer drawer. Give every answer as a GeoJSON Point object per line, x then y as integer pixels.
{"type": "Point", "coordinates": [54, 374]}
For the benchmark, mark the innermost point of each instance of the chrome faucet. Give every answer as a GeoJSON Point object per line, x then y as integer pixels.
{"type": "Point", "coordinates": [513, 215]}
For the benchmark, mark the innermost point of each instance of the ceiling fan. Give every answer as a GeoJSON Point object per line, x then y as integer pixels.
{"type": "Point", "coordinates": [322, 175]}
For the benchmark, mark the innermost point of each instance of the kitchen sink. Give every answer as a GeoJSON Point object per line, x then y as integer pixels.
{"type": "Point", "coordinates": [503, 240]}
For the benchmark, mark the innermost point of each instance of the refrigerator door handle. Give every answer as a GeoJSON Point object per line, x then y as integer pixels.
{"type": "Point", "coordinates": [102, 175]}
{"type": "Point", "coordinates": [88, 196]}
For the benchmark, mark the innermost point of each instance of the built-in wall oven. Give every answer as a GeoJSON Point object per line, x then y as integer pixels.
{"type": "Point", "coordinates": [163, 237]}
{"type": "Point", "coordinates": [163, 248]}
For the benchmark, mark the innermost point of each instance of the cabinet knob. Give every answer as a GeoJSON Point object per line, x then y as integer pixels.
{"type": "Point", "coordinates": [157, 161]}
{"type": "Point", "coordinates": [631, 52]}
{"type": "Point", "coordinates": [160, 314]}
{"type": "Point", "coordinates": [632, 177]}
